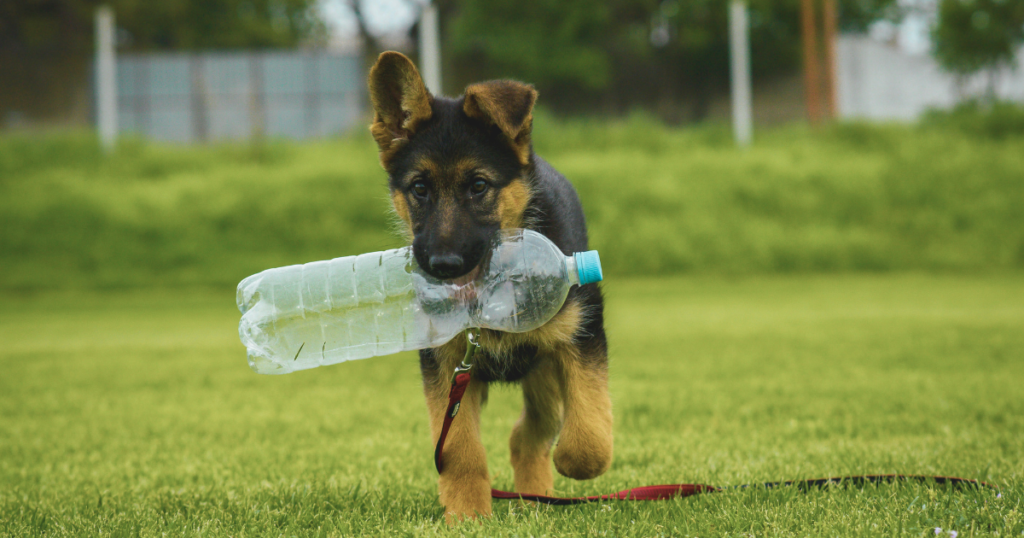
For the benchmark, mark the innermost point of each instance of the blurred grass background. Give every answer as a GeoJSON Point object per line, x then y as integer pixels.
{"type": "Point", "coordinates": [943, 195]}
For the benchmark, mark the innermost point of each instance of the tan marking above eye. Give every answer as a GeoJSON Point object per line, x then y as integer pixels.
{"type": "Point", "coordinates": [471, 168]}
{"type": "Point", "coordinates": [423, 168]}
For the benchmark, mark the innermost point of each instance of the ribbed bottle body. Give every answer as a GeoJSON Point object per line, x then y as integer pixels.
{"type": "Point", "coordinates": [304, 316]}
{"type": "Point", "coordinates": [325, 312]}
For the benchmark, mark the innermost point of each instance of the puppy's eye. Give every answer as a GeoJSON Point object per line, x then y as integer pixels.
{"type": "Point", "coordinates": [420, 189]}
{"type": "Point", "coordinates": [478, 187]}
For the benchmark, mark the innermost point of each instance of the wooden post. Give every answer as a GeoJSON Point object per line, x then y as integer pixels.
{"type": "Point", "coordinates": [829, 35]}
{"type": "Point", "coordinates": [812, 80]}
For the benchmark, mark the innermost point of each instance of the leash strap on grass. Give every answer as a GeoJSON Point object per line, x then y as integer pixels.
{"type": "Point", "coordinates": [645, 493]}
{"type": "Point", "coordinates": [674, 491]}
{"type": "Point", "coordinates": [861, 480]}
{"type": "Point", "coordinates": [463, 375]}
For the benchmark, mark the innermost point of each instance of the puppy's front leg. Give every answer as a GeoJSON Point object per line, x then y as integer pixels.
{"type": "Point", "coordinates": [464, 486]}
{"type": "Point", "coordinates": [584, 448]}
{"type": "Point", "coordinates": [536, 429]}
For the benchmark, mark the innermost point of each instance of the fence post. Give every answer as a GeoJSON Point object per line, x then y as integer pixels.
{"type": "Point", "coordinates": [312, 97]}
{"type": "Point", "coordinates": [257, 104]}
{"type": "Point", "coordinates": [106, 78]}
{"type": "Point", "coordinates": [829, 32]}
{"type": "Point", "coordinates": [200, 126]}
{"type": "Point", "coordinates": [812, 80]}
{"type": "Point", "coordinates": [430, 49]}
{"type": "Point", "coordinates": [739, 55]}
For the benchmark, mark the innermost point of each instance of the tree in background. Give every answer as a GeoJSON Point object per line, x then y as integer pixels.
{"type": "Point", "coordinates": [670, 56]}
{"type": "Point", "coordinates": [217, 24]}
{"type": "Point", "coordinates": [976, 35]}
{"type": "Point", "coordinates": [42, 49]}
{"type": "Point", "coordinates": [45, 45]}
{"type": "Point", "coordinates": [558, 43]}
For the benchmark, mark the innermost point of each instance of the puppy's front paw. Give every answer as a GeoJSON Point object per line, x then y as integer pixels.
{"type": "Point", "coordinates": [465, 499]}
{"type": "Point", "coordinates": [455, 518]}
{"type": "Point", "coordinates": [583, 455]}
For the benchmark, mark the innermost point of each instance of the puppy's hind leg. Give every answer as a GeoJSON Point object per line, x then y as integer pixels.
{"type": "Point", "coordinates": [536, 429]}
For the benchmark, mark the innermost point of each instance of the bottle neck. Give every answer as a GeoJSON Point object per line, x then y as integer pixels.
{"type": "Point", "coordinates": [572, 271]}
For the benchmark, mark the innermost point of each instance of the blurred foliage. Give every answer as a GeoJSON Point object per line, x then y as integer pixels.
{"type": "Point", "coordinates": [853, 197]}
{"type": "Point", "coordinates": [626, 53]}
{"type": "Point", "coordinates": [997, 120]}
{"type": "Point", "coordinates": [162, 214]}
{"type": "Point", "coordinates": [978, 34]}
{"type": "Point", "coordinates": [217, 24]}
{"type": "Point", "coordinates": [67, 25]}
{"type": "Point", "coordinates": [559, 43]}
{"type": "Point", "coordinates": [45, 45]}
{"type": "Point", "coordinates": [857, 15]}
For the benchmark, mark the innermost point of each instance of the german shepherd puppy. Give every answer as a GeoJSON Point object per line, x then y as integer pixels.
{"type": "Point", "coordinates": [459, 170]}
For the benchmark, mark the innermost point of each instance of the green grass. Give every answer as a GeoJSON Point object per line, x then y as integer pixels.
{"type": "Point", "coordinates": [940, 197]}
{"type": "Point", "coordinates": [133, 414]}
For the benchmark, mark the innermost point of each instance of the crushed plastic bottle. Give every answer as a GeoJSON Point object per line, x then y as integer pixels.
{"type": "Point", "coordinates": [356, 307]}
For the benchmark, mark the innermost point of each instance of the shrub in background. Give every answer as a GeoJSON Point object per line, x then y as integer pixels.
{"type": "Point", "coordinates": [996, 120]}
{"type": "Point", "coordinates": [855, 197]}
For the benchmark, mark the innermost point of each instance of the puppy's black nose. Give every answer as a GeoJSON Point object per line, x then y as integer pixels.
{"type": "Point", "coordinates": [446, 265]}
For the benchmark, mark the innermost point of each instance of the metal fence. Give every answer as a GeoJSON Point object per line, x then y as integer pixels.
{"type": "Point", "coordinates": [215, 96]}
{"type": "Point", "coordinates": [878, 81]}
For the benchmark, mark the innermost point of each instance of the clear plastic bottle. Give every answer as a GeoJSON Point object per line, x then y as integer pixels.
{"type": "Point", "coordinates": [326, 312]}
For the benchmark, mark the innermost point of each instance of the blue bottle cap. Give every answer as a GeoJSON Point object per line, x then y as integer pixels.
{"type": "Point", "coordinates": [588, 266]}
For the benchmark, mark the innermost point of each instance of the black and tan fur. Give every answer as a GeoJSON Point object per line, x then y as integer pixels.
{"type": "Point", "coordinates": [459, 170]}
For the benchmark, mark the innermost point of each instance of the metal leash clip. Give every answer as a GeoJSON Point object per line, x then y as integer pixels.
{"type": "Point", "coordinates": [472, 346]}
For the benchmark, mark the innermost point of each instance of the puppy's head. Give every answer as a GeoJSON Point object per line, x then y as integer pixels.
{"type": "Point", "coordinates": [457, 167]}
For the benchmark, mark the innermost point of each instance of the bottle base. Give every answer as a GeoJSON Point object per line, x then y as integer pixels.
{"type": "Point", "coordinates": [263, 365]}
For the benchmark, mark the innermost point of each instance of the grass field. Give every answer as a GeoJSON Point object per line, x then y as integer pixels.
{"type": "Point", "coordinates": [133, 414]}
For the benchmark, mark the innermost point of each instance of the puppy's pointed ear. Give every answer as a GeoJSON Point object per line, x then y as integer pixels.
{"type": "Point", "coordinates": [400, 101]}
{"type": "Point", "coordinates": [508, 105]}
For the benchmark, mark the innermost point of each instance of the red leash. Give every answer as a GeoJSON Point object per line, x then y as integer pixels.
{"type": "Point", "coordinates": [463, 375]}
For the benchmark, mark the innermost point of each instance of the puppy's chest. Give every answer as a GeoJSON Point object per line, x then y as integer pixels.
{"type": "Point", "coordinates": [507, 361]}
{"type": "Point", "coordinates": [510, 356]}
